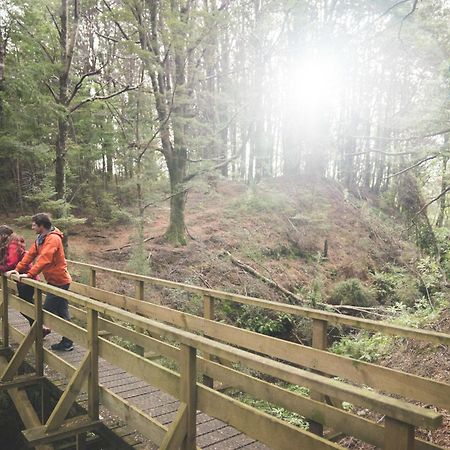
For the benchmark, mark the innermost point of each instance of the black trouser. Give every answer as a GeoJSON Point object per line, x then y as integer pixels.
{"type": "Point", "coordinates": [58, 306]}
{"type": "Point", "coordinates": [26, 293]}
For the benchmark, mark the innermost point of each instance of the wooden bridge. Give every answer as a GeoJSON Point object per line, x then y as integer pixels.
{"type": "Point", "coordinates": [180, 406]}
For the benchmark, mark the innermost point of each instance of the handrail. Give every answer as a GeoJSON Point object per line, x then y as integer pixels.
{"type": "Point", "coordinates": [382, 378]}
{"type": "Point", "coordinates": [396, 411]}
{"type": "Point", "coordinates": [332, 318]}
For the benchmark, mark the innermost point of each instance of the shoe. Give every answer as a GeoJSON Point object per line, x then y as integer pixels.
{"type": "Point", "coordinates": [45, 332]}
{"type": "Point", "coordinates": [62, 346]}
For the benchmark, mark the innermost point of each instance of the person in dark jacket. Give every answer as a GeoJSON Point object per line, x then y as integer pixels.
{"type": "Point", "coordinates": [47, 257]}
{"type": "Point", "coordinates": [12, 251]}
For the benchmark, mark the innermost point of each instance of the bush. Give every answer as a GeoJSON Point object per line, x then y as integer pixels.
{"type": "Point", "coordinates": [255, 319]}
{"type": "Point", "coordinates": [395, 285]}
{"type": "Point", "coordinates": [363, 346]}
{"type": "Point", "coordinates": [351, 292]}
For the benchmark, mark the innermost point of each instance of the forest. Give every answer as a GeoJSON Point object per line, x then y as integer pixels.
{"type": "Point", "coordinates": [291, 150]}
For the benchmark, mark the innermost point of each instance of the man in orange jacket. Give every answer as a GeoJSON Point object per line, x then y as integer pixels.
{"type": "Point", "coordinates": [47, 253]}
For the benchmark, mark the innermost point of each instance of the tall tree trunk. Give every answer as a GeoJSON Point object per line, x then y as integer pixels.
{"type": "Point", "coordinates": [176, 232]}
{"type": "Point", "coordinates": [444, 185]}
{"type": "Point", "coordinates": [67, 42]}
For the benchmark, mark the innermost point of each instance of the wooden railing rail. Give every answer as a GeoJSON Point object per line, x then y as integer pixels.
{"type": "Point", "coordinates": [275, 433]}
{"type": "Point", "coordinates": [401, 417]}
{"type": "Point", "coordinates": [382, 378]}
{"type": "Point", "coordinates": [331, 318]}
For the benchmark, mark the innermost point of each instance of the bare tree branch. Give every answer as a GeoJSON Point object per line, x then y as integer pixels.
{"type": "Point", "coordinates": [165, 198]}
{"type": "Point", "coordinates": [55, 22]}
{"type": "Point", "coordinates": [418, 163]}
{"type": "Point", "coordinates": [52, 92]}
{"type": "Point", "coordinates": [211, 169]}
{"type": "Point", "coordinates": [80, 82]}
{"type": "Point", "coordinates": [380, 152]}
{"type": "Point", "coordinates": [435, 199]}
{"type": "Point", "coordinates": [410, 138]}
{"type": "Point", "coordinates": [102, 97]}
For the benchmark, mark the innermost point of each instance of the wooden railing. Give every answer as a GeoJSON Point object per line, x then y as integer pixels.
{"type": "Point", "coordinates": [210, 295]}
{"type": "Point", "coordinates": [197, 354]}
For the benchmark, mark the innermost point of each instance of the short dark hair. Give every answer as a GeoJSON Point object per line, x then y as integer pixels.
{"type": "Point", "coordinates": [43, 219]}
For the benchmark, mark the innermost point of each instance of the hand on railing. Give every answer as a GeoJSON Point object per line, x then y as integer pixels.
{"type": "Point", "coordinates": [16, 276]}
{"type": "Point", "coordinates": [10, 273]}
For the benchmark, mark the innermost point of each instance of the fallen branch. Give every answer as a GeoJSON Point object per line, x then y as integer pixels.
{"type": "Point", "coordinates": [292, 295]}
{"type": "Point", "coordinates": [269, 281]}
{"type": "Point", "coordinates": [118, 249]}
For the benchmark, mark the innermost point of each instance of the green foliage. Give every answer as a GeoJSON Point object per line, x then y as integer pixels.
{"type": "Point", "coordinates": [363, 345]}
{"type": "Point", "coordinates": [430, 274]}
{"type": "Point", "coordinates": [395, 285]}
{"type": "Point", "coordinates": [263, 200]}
{"type": "Point", "coordinates": [421, 313]}
{"type": "Point", "coordinates": [256, 319]}
{"type": "Point", "coordinates": [373, 347]}
{"type": "Point", "coordinates": [101, 207]}
{"type": "Point", "coordinates": [273, 410]}
{"type": "Point", "coordinates": [351, 292]}
{"type": "Point", "coordinates": [140, 258]}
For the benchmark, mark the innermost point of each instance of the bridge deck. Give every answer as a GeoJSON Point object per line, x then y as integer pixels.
{"type": "Point", "coordinates": [212, 433]}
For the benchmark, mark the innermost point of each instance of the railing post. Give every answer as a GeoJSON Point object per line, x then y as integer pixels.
{"type": "Point", "coordinates": [139, 291]}
{"type": "Point", "coordinates": [92, 277]}
{"type": "Point", "coordinates": [319, 341]}
{"type": "Point", "coordinates": [93, 389]}
{"type": "Point", "coordinates": [208, 313]}
{"type": "Point", "coordinates": [39, 342]}
{"type": "Point", "coordinates": [398, 435]}
{"type": "Point", "coordinates": [139, 294]}
{"type": "Point", "coordinates": [5, 318]}
{"type": "Point", "coordinates": [188, 393]}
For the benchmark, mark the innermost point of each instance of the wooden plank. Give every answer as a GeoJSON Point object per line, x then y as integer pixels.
{"type": "Point", "coordinates": [93, 394]}
{"type": "Point", "coordinates": [147, 342]}
{"type": "Point", "coordinates": [398, 435]}
{"type": "Point", "coordinates": [19, 355]}
{"type": "Point", "coordinates": [69, 395]}
{"type": "Point", "coordinates": [40, 435]}
{"type": "Point", "coordinates": [385, 379]}
{"type": "Point", "coordinates": [173, 440]}
{"type": "Point", "coordinates": [332, 318]}
{"type": "Point", "coordinates": [20, 382]}
{"type": "Point", "coordinates": [188, 394]}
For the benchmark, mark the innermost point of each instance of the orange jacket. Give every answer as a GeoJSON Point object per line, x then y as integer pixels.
{"type": "Point", "coordinates": [48, 258]}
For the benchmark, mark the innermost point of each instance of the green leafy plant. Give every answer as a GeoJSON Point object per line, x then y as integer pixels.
{"type": "Point", "coordinates": [255, 319]}
{"type": "Point", "coordinates": [351, 292]}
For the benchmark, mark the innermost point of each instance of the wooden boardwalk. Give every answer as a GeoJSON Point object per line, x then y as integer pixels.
{"type": "Point", "coordinates": [211, 433]}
